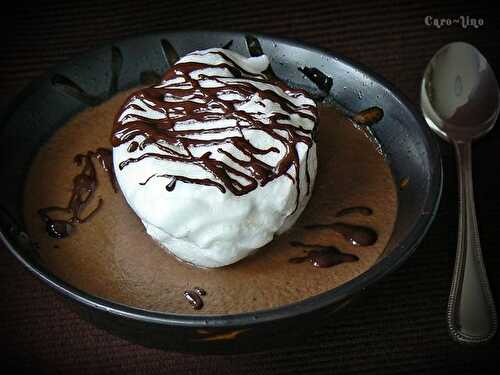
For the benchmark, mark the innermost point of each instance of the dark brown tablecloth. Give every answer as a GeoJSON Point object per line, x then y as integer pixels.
{"type": "Point", "coordinates": [400, 327]}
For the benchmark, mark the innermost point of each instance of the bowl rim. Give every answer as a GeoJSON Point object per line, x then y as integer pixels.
{"type": "Point", "coordinates": [384, 266]}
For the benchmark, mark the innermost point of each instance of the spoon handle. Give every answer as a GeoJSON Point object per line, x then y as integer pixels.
{"type": "Point", "coordinates": [471, 309]}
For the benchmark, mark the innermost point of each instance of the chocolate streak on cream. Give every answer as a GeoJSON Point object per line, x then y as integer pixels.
{"type": "Point", "coordinates": [365, 211]}
{"type": "Point", "coordinates": [200, 181]}
{"type": "Point", "coordinates": [368, 116]}
{"type": "Point", "coordinates": [161, 133]}
{"type": "Point", "coordinates": [84, 186]}
{"type": "Point", "coordinates": [355, 234]}
{"type": "Point", "coordinates": [132, 146]}
{"type": "Point", "coordinates": [323, 256]}
{"type": "Point", "coordinates": [194, 299]}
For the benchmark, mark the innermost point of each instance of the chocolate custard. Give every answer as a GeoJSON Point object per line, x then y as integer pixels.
{"type": "Point", "coordinates": [111, 256]}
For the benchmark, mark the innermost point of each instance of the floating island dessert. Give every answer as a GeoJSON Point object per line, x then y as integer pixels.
{"type": "Point", "coordinates": [218, 158]}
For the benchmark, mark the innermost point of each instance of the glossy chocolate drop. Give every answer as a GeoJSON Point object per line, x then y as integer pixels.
{"type": "Point", "coordinates": [58, 228]}
{"type": "Point", "coordinates": [193, 299]}
{"type": "Point", "coordinates": [330, 256]}
{"type": "Point", "coordinates": [322, 256]}
{"type": "Point", "coordinates": [355, 234]}
{"type": "Point", "coordinates": [171, 185]}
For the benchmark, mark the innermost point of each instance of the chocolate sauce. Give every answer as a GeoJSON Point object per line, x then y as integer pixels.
{"type": "Point", "coordinates": [365, 211]}
{"type": "Point", "coordinates": [323, 256]}
{"type": "Point", "coordinates": [84, 188]}
{"type": "Point", "coordinates": [355, 234]}
{"type": "Point", "coordinates": [105, 157]}
{"type": "Point", "coordinates": [194, 299]}
{"type": "Point", "coordinates": [58, 228]}
{"type": "Point", "coordinates": [320, 79]}
{"type": "Point", "coordinates": [368, 116]}
{"type": "Point", "coordinates": [210, 107]}
{"type": "Point", "coordinates": [200, 291]}
{"type": "Point", "coordinates": [132, 146]}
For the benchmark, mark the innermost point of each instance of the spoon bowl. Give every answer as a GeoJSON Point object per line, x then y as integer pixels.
{"type": "Point", "coordinates": [459, 93]}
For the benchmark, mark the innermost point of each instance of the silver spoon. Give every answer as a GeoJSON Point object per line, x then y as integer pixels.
{"type": "Point", "coordinates": [460, 101]}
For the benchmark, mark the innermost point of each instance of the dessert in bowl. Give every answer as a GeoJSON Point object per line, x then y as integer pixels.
{"type": "Point", "coordinates": [349, 234]}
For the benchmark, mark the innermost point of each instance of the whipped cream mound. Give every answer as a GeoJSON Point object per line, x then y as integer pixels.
{"type": "Point", "coordinates": [218, 158]}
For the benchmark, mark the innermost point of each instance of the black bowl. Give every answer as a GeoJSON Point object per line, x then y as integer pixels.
{"type": "Point", "coordinates": [51, 100]}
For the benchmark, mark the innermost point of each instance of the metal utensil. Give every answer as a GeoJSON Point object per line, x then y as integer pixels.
{"type": "Point", "coordinates": [460, 101]}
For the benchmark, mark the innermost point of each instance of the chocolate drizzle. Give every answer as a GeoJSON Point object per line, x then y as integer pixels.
{"type": "Point", "coordinates": [194, 297]}
{"type": "Point", "coordinates": [323, 256]}
{"type": "Point", "coordinates": [84, 187]}
{"type": "Point", "coordinates": [327, 256]}
{"type": "Point", "coordinates": [320, 79]}
{"type": "Point", "coordinates": [355, 234]}
{"type": "Point", "coordinates": [105, 157]}
{"type": "Point", "coordinates": [133, 146]}
{"type": "Point", "coordinates": [192, 101]}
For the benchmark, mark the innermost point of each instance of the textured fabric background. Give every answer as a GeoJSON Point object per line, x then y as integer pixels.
{"type": "Point", "coordinates": [400, 327]}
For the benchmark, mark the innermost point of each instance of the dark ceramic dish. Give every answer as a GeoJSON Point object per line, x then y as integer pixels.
{"type": "Point", "coordinates": [51, 100]}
